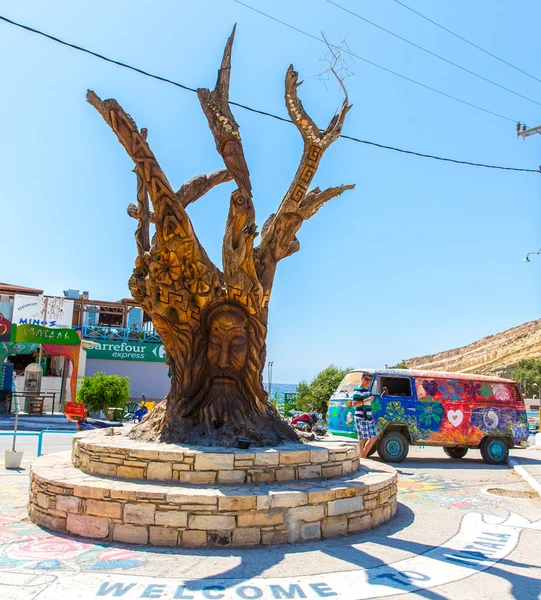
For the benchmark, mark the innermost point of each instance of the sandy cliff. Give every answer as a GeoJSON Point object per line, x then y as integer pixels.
{"type": "Point", "coordinates": [496, 354]}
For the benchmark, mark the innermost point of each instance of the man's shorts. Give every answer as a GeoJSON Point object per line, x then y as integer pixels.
{"type": "Point", "coordinates": [365, 429]}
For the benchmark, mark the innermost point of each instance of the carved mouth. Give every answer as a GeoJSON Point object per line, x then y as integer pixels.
{"type": "Point", "coordinates": [224, 379]}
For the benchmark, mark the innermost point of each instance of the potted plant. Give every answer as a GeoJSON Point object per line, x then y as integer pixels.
{"type": "Point", "coordinates": [14, 457]}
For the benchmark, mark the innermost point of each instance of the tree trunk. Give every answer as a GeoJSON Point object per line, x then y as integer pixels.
{"type": "Point", "coordinates": [213, 323]}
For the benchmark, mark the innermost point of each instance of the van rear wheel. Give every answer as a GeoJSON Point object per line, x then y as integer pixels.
{"type": "Point", "coordinates": [393, 447]}
{"type": "Point", "coordinates": [456, 451]}
{"type": "Point", "coordinates": [494, 450]}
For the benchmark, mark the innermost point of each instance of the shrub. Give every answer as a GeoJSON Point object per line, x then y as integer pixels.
{"type": "Point", "coordinates": [100, 392]}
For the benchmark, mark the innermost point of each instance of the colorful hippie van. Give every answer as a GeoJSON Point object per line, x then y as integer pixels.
{"type": "Point", "coordinates": [426, 408]}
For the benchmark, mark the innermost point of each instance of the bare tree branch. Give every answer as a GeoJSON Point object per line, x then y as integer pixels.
{"type": "Point", "coordinates": [201, 184]}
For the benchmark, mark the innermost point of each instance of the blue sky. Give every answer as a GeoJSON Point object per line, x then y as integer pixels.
{"type": "Point", "coordinates": [422, 256]}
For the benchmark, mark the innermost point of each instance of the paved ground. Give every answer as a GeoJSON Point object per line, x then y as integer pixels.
{"type": "Point", "coordinates": [451, 539]}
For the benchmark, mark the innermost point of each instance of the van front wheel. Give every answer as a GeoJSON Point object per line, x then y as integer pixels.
{"type": "Point", "coordinates": [494, 450]}
{"type": "Point", "coordinates": [456, 451]}
{"type": "Point", "coordinates": [393, 447]}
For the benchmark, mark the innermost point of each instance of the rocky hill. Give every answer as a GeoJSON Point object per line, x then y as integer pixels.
{"type": "Point", "coordinates": [496, 354]}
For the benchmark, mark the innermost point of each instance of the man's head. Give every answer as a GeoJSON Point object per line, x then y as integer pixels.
{"type": "Point", "coordinates": [366, 380]}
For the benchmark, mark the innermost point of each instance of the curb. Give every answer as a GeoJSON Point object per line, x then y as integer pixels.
{"type": "Point", "coordinates": [520, 470]}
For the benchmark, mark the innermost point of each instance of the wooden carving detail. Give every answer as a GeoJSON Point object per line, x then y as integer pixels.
{"type": "Point", "coordinates": [213, 323]}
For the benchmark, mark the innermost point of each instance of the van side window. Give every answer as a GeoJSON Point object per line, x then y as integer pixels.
{"type": "Point", "coordinates": [394, 386]}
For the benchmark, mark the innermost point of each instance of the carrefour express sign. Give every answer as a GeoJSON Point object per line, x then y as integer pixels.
{"type": "Point", "coordinates": [128, 351]}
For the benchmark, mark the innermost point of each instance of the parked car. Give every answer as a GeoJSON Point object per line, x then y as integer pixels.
{"type": "Point", "coordinates": [424, 408]}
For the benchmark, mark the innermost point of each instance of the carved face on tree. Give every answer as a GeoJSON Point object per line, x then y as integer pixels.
{"type": "Point", "coordinates": [227, 346]}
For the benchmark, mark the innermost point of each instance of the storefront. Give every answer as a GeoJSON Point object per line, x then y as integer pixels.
{"type": "Point", "coordinates": [142, 362]}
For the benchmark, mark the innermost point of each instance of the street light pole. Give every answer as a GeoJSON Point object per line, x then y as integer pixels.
{"type": "Point", "coordinates": [269, 377]}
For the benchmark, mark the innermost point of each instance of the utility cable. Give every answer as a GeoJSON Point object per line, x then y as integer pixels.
{"type": "Point", "coordinates": [255, 110]}
{"type": "Point", "coordinates": [450, 62]}
{"type": "Point", "coordinates": [423, 85]}
{"type": "Point", "coordinates": [467, 41]}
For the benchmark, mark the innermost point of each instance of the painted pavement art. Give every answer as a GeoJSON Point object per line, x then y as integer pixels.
{"type": "Point", "coordinates": [35, 564]}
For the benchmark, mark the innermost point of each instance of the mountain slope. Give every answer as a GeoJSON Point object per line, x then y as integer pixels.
{"type": "Point", "coordinates": [496, 354]}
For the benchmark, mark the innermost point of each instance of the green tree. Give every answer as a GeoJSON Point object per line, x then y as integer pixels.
{"type": "Point", "coordinates": [101, 391]}
{"type": "Point", "coordinates": [528, 375]}
{"type": "Point", "coordinates": [316, 394]}
{"type": "Point", "coordinates": [400, 365]}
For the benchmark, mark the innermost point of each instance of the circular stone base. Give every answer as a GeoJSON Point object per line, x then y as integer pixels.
{"type": "Point", "coordinates": [62, 498]}
{"type": "Point", "coordinates": [117, 455]}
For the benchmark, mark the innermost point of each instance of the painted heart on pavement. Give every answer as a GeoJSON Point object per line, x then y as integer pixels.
{"type": "Point", "coordinates": [455, 417]}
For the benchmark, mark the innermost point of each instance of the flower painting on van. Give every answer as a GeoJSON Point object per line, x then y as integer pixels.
{"type": "Point", "coordinates": [502, 392]}
{"type": "Point", "coordinates": [429, 413]}
{"type": "Point", "coordinates": [451, 390]}
{"type": "Point", "coordinates": [473, 390]}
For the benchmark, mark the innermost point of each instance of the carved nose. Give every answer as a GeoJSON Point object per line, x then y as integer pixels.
{"type": "Point", "coordinates": [223, 361]}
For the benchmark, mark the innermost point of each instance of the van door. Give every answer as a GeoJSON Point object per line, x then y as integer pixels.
{"type": "Point", "coordinates": [394, 402]}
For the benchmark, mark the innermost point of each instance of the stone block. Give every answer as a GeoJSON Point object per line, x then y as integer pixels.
{"type": "Point", "coordinates": [171, 518]}
{"type": "Point", "coordinates": [102, 468]}
{"type": "Point", "coordinates": [344, 492]}
{"type": "Point", "coordinates": [243, 463]}
{"type": "Point", "coordinates": [260, 518]}
{"type": "Point", "coordinates": [101, 508]}
{"type": "Point", "coordinates": [335, 471]}
{"type": "Point", "coordinates": [181, 467]}
{"type": "Point", "coordinates": [148, 494]}
{"type": "Point", "coordinates": [68, 504]}
{"type": "Point", "coordinates": [214, 461]}
{"type": "Point", "coordinates": [130, 472]}
{"type": "Point", "coordinates": [332, 526]}
{"type": "Point", "coordinates": [90, 527]}
{"type": "Point", "coordinates": [385, 494]}
{"type": "Point", "coordinates": [274, 537]}
{"type": "Point", "coordinates": [347, 466]}
{"type": "Point", "coordinates": [112, 460]}
{"type": "Point", "coordinates": [86, 491]}
{"type": "Point", "coordinates": [267, 459]}
{"type": "Point", "coordinates": [378, 516]}
{"type": "Point", "coordinates": [345, 505]}
{"type": "Point", "coordinates": [248, 536]}
{"type": "Point", "coordinates": [144, 453]}
{"type": "Point", "coordinates": [139, 513]}
{"type": "Point", "coordinates": [263, 502]}
{"type": "Point", "coordinates": [261, 476]}
{"type": "Point", "coordinates": [319, 456]}
{"type": "Point", "coordinates": [136, 463]}
{"type": "Point", "coordinates": [219, 538]}
{"type": "Point", "coordinates": [338, 456]}
{"type": "Point", "coordinates": [311, 531]}
{"type": "Point", "coordinates": [194, 538]}
{"type": "Point", "coordinates": [310, 472]}
{"type": "Point", "coordinates": [320, 495]}
{"type": "Point", "coordinates": [170, 455]}
{"type": "Point", "coordinates": [163, 536]}
{"type": "Point", "coordinates": [285, 474]}
{"type": "Point", "coordinates": [306, 513]}
{"type": "Point", "coordinates": [288, 499]}
{"type": "Point", "coordinates": [236, 502]}
{"type": "Point", "coordinates": [43, 500]}
{"type": "Point", "coordinates": [210, 522]}
{"type": "Point", "coordinates": [120, 494]}
{"type": "Point", "coordinates": [294, 457]}
{"type": "Point", "coordinates": [231, 476]}
{"type": "Point", "coordinates": [159, 470]}
{"type": "Point", "coordinates": [48, 521]}
{"type": "Point", "coordinates": [196, 497]}
{"type": "Point", "coordinates": [197, 476]}
{"type": "Point", "coordinates": [131, 534]}
{"type": "Point", "coordinates": [360, 523]}
{"type": "Point", "coordinates": [371, 504]}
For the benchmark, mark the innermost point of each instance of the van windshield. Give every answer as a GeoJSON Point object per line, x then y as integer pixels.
{"type": "Point", "coordinates": [351, 381]}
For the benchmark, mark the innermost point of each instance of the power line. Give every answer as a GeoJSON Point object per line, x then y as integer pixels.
{"type": "Point", "coordinates": [450, 62]}
{"type": "Point", "coordinates": [467, 41]}
{"type": "Point", "coordinates": [423, 85]}
{"type": "Point", "coordinates": [255, 110]}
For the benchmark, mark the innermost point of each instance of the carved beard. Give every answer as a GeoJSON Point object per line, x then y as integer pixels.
{"type": "Point", "coordinates": [215, 403]}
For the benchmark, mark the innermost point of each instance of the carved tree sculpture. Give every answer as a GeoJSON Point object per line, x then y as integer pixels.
{"type": "Point", "coordinates": [213, 324]}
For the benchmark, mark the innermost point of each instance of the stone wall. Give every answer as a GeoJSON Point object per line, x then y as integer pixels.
{"type": "Point", "coordinates": [64, 499]}
{"type": "Point", "coordinates": [118, 456]}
